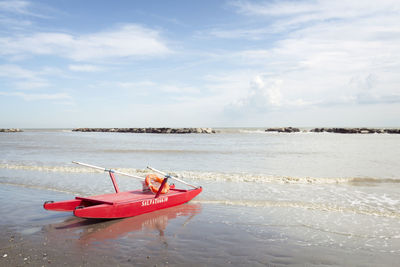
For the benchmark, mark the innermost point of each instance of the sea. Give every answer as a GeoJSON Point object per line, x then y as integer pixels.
{"type": "Point", "coordinates": [297, 196]}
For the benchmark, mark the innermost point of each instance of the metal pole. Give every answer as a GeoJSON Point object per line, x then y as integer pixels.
{"type": "Point", "coordinates": [172, 177]}
{"type": "Point", "coordinates": [108, 170]}
{"type": "Point", "coordinates": [114, 181]}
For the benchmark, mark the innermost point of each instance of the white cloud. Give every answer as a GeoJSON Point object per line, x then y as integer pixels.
{"type": "Point", "coordinates": [34, 97]}
{"type": "Point", "coordinates": [14, 24]}
{"type": "Point", "coordinates": [264, 94]}
{"type": "Point", "coordinates": [179, 89]}
{"type": "Point", "coordinates": [129, 40]}
{"type": "Point", "coordinates": [32, 84]}
{"type": "Point", "coordinates": [248, 33]}
{"type": "Point", "coordinates": [320, 10]}
{"type": "Point", "coordinates": [23, 79]}
{"type": "Point", "coordinates": [19, 7]}
{"type": "Point", "coordinates": [335, 52]}
{"type": "Point", "coordinates": [23, 9]}
{"type": "Point", "coordinates": [317, 55]}
{"type": "Point", "coordinates": [157, 87]}
{"type": "Point", "coordinates": [132, 85]}
{"type": "Point", "coordinates": [14, 71]}
{"type": "Point", "coordinates": [85, 68]}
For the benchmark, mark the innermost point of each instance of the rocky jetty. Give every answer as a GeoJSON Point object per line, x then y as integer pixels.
{"type": "Point", "coordinates": [283, 130]}
{"type": "Point", "coordinates": [148, 130]}
{"type": "Point", "coordinates": [336, 130]}
{"type": "Point", "coordinates": [355, 130]}
{"type": "Point", "coordinates": [11, 130]}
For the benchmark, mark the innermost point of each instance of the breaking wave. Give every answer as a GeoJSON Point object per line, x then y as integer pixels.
{"type": "Point", "coordinates": [66, 169]}
{"type": "Point", "coordinates": [40, 187]}
{"type": "Point", "coordinates": [164, 151]}
{"type": "Point", "coordinates": [326, 207]}
{"type": "Point", "coordinates": [215, 176]}
{"type": "Point", "coordinates": [259, 178]}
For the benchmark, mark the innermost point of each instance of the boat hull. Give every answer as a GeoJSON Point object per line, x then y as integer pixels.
{"type": "Point", "coordinates": [122, 204]}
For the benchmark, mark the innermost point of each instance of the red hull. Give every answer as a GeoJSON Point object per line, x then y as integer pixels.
{"type": "Point", "coordinates": [122, 204]}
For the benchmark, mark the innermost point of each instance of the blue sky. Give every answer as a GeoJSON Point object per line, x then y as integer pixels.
{"type": "Point", "coordinates": [199, 63]}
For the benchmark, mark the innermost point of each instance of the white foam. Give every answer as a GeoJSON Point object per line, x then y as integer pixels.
{"type": "Point", "coordinates": [212, 176]}
{"type": "Point", "coordinates": [304, 205]}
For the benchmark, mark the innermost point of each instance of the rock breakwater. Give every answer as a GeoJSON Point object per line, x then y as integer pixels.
{"type": "Point", "coordinates": [283, 130]}
{"type": "Point", "coordinates": [11, 130]}
{"type": "Point", "coordinates": [356, 130]}
{"type": "Point", "coordinates": [149, 130]}
{"type": "Point", "coordinates": [336, 130]}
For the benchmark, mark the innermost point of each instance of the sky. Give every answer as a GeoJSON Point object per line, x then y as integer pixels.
{"type": "Point", "coordinates": [209, 63]}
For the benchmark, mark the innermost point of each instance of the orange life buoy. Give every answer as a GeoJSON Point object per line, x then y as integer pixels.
{"type": "Point", "coordinates": [154, 183]}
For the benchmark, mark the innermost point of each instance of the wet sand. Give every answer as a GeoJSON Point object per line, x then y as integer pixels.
{"type": "Point", "coordinates": [194, 234]}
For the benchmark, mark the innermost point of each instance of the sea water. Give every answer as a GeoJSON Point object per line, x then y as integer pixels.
{"type": "Point", "coordinates": [315, 190]}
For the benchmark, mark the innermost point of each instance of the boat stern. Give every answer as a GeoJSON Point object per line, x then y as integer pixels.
{"type": "Point", "coordinates": [68, 205]}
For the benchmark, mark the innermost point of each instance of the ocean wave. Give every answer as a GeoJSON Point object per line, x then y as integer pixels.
{"type": "Point", "coordinates": [66, 169]}
{"type": "Point", "coordinates": [254, 131]}
{"type": "Point", "coordinates": [164, 151]}
{"type": "Point", "coordinates": [215, 176]}
{"type": "Point", "coordinates": [326, 207]}
{"type": "Point", "coordinates": [259, 178]}
{"type": "Point", "coordinates": [47, 188]}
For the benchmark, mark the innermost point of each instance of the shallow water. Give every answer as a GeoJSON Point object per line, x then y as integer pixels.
{"type": "Point", "coordinates": [309, 193]}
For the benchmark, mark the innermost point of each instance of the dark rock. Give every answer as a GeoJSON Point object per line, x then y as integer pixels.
{"type": "Point", "coordinates": [392, 131]}
{"type": "Point", "coordinates": [283, 130]}
{"type": "Point", "coordinates": [318, 130]}
{"type": "Point", "coordinates": [355, 130]}
{"type": "Point", "coordinates": [162, 130]}
{"type": "Point", "coordinates": [11, 130]}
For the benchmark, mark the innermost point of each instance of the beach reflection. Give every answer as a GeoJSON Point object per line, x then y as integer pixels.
{"type": "Point", "coordinates": [90, 231]}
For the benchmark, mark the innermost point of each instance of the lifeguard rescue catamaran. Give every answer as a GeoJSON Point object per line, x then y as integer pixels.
{"type": "Point", "coordinates": [156, 194]}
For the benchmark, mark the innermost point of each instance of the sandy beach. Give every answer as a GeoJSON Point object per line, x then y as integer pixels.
{"type": "Point", "coordinates": [192, 234]}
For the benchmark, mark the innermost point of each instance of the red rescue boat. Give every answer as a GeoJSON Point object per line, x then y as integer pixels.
{"type": "Point", "coordinates": [154, 196]}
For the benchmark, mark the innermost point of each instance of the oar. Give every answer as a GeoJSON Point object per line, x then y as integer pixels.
{"type": "Point", "coordinates": [172, 177]}
{"type": "Point", "coordinates": [108, 170]}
